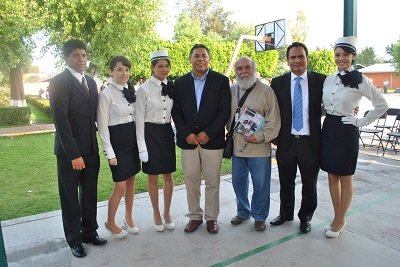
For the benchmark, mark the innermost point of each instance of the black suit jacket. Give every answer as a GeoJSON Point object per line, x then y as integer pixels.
{"type": "Point", "coordinates": [281, 87]}
{"type": "Point", "coordinates": [213, 113]}
{"type": "Point", "coordinates": [74, 115]}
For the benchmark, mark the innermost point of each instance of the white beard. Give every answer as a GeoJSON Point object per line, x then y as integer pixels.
{"type": "Point", "coordinates": [246, 83]}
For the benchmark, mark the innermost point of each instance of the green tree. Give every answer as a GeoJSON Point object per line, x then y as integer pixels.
{"type": "Point", "coordinates": [299, 28]}
{"type": "Point", "coordinates": [396, 55]}
{"type": "Point", "coordinates": [109, 28]}
{"type": "Point", "coordinates": [322, 61]}
{"type": "Point", "coordinates": [367, 57]}
{"type": "Point", "coordinates": [19, 19]}
{"type": "Point", "coordinates": [211, 16]}
{"type": "Point", "coordinates": [186, 28]}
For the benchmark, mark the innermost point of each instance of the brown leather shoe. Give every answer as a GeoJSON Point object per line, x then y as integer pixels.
{"type": "Point", "coordinates": [212, 226]}
{"type": "Point", "coordinates": [259, 226]}
{"type": "Point", "coordinates": [238, 220]}
{"type": "Point", "coordinates": [192, 225]}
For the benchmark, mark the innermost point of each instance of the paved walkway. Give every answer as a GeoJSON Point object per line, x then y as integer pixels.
{"type": "Point", "coordinates": [371, 236]}
{"type": "Point", "coordinates": [24, 130]}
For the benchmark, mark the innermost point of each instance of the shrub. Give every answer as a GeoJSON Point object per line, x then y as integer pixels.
{"type": "Point", "coordinates": [40, 103]}
{"type": "Point", "coordinates": [14, 116]}
{"type": "Point", "coordinates": [4, 96]}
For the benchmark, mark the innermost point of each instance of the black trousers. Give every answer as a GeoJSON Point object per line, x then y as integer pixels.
{"type": "Point", "coordinates": [300, 154]}
{"type": "Point", "coordinates": [78, 198]}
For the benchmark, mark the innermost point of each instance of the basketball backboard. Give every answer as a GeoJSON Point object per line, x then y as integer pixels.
{"type": "Point", "coordinates": [273, 34]}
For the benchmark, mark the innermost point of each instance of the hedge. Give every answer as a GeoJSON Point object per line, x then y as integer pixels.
{"type": "Point", "coordinates": [13, 116]}
{"type": "Point", "coordinates": [40, 103]}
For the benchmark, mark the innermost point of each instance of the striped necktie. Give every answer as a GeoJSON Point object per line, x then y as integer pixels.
{"type": "Point", "coordinates": [84, 84]}
{"type": "Point", "coordinates": [297, 106]}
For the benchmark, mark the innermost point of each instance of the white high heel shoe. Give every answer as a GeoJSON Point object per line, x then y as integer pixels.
{"type": "Point", "coordinates": [170, 226]}
{"type": "Point", "coordinates": [332, 234]}
{"type": "Point", "coordinates": [119, 235]}
{"type": "Point", "coordinates": [327, 227]}
{"type": "Point", "coordinates": [158, 228]}
{"type": "Point", "coordinates": [131, 230]}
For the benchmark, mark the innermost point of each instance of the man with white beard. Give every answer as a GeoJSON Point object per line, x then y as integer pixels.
{"type": "Point", "coordinates": [252, 154]}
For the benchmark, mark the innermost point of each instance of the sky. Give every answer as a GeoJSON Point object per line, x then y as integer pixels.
{"type": "Point", "coordinates": [376, 21]}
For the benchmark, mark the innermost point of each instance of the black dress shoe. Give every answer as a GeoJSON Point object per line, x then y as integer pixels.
{"type": "Point", "coordinates": [280, 220]}
{"type": "Point", "coordinates": [78, 251]}
{"type": "Point", "coordinates": [305, 226]}
{"type": "Point", "coordinates": [95, 240]}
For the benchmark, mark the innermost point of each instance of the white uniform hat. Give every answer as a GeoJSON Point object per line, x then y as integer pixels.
{"type": "Point", "coordinates": [159, 54]}
{"type": "Point", "coordinates": [348, 41]}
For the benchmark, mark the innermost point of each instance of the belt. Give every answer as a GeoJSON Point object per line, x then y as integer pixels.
{"type": "Point", "coordinates": [300, 136]}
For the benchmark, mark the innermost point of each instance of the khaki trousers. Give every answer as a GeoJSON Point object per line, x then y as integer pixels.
{"type": "Point", "coordinates": [198, 163]}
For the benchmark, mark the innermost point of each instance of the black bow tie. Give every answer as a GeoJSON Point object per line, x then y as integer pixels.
{"type": "Point", "coordinates": [129, 93]}
{"type": "Point", "coordinates": [351, 79]}
{"type": "Point", "coordinates": [167, 89]}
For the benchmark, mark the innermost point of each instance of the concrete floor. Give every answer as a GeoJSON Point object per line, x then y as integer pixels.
{"type": "Point", "coordinates": [371, 236]}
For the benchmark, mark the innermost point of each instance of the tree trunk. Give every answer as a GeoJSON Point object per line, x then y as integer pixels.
{"type": "Point", "coordinates": [17, 87]}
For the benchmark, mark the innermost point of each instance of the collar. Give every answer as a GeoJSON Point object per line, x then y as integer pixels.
{"type": "Point", "coordinates": [76, 74]}
{"type": "Point", "coordinates": [343, 72]}
{"type": "Point", "coordinates": [202, 78]}
{"type": "Point", "coordinates": [118, 86]}
{"type": "Point", "coordinates": [304, 76]}
{"type": "Point", "coordinates": [157, 81]}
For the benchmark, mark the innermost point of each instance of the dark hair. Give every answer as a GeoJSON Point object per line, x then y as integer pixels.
{"type": "Point", "coordinates": [349, 50]}
{"type": "Point", "coordinates": [296, 44]}
{"type": "Point", "coordinates": [154, 62]}
{"type": "Point", "coordinates": [125, 62]}
{"type": "Point", "coordinates": [71, 45]}
{"type": "Point", "coordinates": [199, 46]}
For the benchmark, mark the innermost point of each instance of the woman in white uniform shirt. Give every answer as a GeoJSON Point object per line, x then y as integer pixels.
{"type": "Point", "coordinates": [155, 136]}
{"type": "Point", "coordinates": [116, 125]}
{"type": "Point", "coordinates": [342, 93]}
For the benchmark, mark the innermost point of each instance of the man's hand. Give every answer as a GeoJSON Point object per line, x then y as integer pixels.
{"type": "Point", "coordinates": [113, 162]}
{"type": "Point", "coordinates": [192, 139]}
{"type": "Point", "coordinates": [78, 164]}
{"type": "Point", "coordinates": [202, 138]}
{"type": "Point", "coordinates": [251, 139]}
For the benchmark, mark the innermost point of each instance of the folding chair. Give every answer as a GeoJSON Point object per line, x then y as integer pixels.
{"type": "Point", "coordinates": [376, 133]}
{"type": "Point", "coordinates": [395, 134]}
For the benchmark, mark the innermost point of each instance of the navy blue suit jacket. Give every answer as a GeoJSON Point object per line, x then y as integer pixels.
{"type": "Point", "coordinates": [281, 87]}
{"type": "Point", "coordinates": [213, 113]}
{"type": "Point", "coordinates": [74, 115]}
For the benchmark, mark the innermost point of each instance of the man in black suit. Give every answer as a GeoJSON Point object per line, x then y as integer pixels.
{"type": "Point", "coordinates": [299, 139]}
{"type": "Point", "coordinates": [202, 105]}
{"type": "Point", "coordinates": [73, 102]}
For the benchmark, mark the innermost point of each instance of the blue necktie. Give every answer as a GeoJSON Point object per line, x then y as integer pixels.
{"type": "Point", "coordinates": [297, 106]}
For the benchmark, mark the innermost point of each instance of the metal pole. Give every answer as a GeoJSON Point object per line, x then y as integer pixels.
{"type": "Point", "coordinates": [239, 44]}
{"type": "Point", "coordinates": [3, 256]}
{"type": "Point", "coordinates": [350, 18]}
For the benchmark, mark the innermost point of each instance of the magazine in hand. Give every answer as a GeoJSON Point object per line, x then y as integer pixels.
{"type": "Point", "coordinates": [249, 122]}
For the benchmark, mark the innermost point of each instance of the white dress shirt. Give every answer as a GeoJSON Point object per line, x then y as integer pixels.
{"type": "Point", "coordinates": [339, 100]}
{"type": "Point", "coordinates": [112, 109]}
{"type": "Point", "coordinates": [304, 96]}
{"type": "Point", "coordinates": [151, 107]}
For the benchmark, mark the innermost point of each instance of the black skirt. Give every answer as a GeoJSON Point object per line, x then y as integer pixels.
{"type": "Point", "coordinates": [161, 148]}
{"type": "Point", "coordinates": [123, 141]}
{"type": "Point", "coordinates": [339, 146]}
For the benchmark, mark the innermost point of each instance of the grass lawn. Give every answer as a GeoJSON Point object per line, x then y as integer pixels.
{"type": "Point", "coordinates": [28, 181]}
